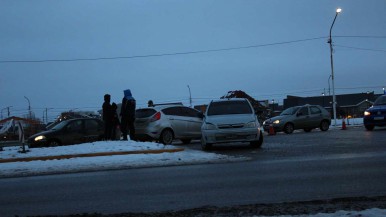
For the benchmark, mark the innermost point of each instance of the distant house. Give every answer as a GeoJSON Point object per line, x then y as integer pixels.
{"type": "Point", "coordinates": [31, 126]}
{"type": "Point", "coordinates": [347, 104]}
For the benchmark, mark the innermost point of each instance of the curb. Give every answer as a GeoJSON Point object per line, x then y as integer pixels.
{"type": "Point", "coordinates": [59, 157]}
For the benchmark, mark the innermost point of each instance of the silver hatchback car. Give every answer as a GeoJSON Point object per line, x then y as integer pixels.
{"type": "Point", "coordinates": [230, 120]}
{"type": "Point", "coordinates": [164, 123]}
{"type": "Point", "coordinates": [305, 117]}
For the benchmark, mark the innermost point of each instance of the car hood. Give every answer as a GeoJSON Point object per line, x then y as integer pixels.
{"type": "Point", "coordinates": [230, 119]}
{"type": "Point", "coordinates": [377, 107]}
{"type": "Point", "coordinates": [280, 117]}
{"type": "Point", "coordinates": [44, 133]}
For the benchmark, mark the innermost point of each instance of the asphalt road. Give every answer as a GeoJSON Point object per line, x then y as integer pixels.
{"type": "Point", "coordinates": [297, 167]}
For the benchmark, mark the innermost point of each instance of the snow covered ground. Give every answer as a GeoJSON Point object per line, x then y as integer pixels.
{"type": "Point", "coordinates": [77, 164]}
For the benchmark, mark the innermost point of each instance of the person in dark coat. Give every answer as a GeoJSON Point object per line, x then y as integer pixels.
{"type": "Point", "coordinates": [115, 121]}
{"type": "Point", "coordinates": [128, 115]}
{"type": "Point", "coordinates": [107, 117]}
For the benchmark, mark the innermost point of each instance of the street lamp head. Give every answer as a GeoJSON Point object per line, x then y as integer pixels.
{"type": "Point", "coordinates": [338, 10]}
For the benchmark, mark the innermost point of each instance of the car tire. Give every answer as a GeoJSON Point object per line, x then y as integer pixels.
{"type": "Point", "coordinates": [324, 125]}
{"type": "Point", "coordinates": [205, 146]}
{"type": "Point", "coordinates": [258, 143]}
{"type": "Point", "coordinates": [167, 137]}
{"type": "Point", "coordinates": [369, 127]}
{"type": "Point", "coordinates": [307, 130]}
{"type": "Point", "coordinates": [288, 128]}
{"type": "Point", "coordinates": [53, 143]}
{"type": "Point", "coordinates": [186, 141]}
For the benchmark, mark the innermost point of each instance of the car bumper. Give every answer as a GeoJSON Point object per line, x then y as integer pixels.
{"type": "Point", "coordinates": [33, 144]}
{"type": "Point", "coordinates": [224, 136]}
{"type": "Point", "coordinates": [150, 133]}
{"type": "Point", "coordinates": [379, 120]}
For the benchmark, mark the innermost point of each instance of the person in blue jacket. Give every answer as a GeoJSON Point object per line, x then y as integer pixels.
{"type": "Point", "coordinates": [128, 115]}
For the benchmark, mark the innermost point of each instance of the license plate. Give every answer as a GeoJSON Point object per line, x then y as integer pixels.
{"type": "Point", "coordinates": [378, 118]}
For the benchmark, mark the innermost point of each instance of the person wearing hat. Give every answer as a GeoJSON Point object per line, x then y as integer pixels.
{"type": "Point", "coordinates": [128, 115]}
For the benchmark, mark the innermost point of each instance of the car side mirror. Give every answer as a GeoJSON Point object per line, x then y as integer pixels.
{"type": "Point", "coordinates": [201, 115]}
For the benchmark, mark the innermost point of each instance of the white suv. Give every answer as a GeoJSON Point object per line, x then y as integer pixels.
{"type": "Point", "coordinates": [230, 120]}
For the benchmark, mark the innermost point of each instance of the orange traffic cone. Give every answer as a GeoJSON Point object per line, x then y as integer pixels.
{"type": "Point", "coordinates": [271, 130]}
{"type": "Point", "coordinates": [344, 124]}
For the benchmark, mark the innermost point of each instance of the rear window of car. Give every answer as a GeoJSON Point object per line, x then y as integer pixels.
{"type": "Point", "coordinates": [229, 107]}
{"type": "Point", "coordinates": [144, 113]}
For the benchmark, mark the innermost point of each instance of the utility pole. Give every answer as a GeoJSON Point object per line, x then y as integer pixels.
{"type": "Point", "coordinates": [190, 97]}
{"type": "Point", "coordinates": [6, 108]}
{"type": "Point", "coordinates": [47, 115]}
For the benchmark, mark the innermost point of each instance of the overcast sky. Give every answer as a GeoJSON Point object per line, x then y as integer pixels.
{"type": "Point", "coordinates": [157, 48]}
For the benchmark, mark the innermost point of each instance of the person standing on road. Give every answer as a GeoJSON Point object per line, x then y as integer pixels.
{"type": "Point", "coordinates": [107, 117]}
{"type": "Point", "coordinates": [128, 115]}
{"type": "Point", "coordinates": [115, 121]}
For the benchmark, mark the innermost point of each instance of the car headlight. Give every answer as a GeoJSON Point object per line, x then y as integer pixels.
{"type": "Point", "coordinates": [250, 125]}
{"type": "Point", "coordinates": [209, 126]}
{"type": "Point", "coordinates": [276, 122]}
{"type": "Point", "coordinates": [38, 138]}
{"type": "Point", "coordinates": [367, 113]}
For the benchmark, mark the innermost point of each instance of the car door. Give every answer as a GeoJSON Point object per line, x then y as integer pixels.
{"type": "Point", "coordinates": [302, 119]}
{"type": "Point", "coordinates": [92, 131]}
{"type": "Point", "coordinates": [315, 116]}
{"type": "Point", "coordinates": [72, 133]}
{"type": "Point", "coordinates": [177, 120]}
{"type": "Point", "coordinates": [194, 121]}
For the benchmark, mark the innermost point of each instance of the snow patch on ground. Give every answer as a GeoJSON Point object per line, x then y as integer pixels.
{"type": "Point", "coordinates": [79, 164]}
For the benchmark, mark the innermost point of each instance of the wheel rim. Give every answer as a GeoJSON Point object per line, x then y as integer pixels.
{"type": "Point", "coordinates": [289, 128]}
{"type": "Point", "coordinates": [167, 137]}
{"type": "Point", "coordinates": [324, 125]}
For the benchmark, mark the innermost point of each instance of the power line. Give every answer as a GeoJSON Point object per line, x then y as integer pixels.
{"type": "Point", "coordinates": [161, 55]}
{"type": "Point", "coordinates": [359, 48]}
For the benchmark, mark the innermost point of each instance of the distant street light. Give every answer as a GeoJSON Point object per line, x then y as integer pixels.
{"type": "Point", "coordinates": [332, 67]}
{"type": "Point", "coordinates": [29, 107]}
{"type": "Point", "coordinates": [190, 97]}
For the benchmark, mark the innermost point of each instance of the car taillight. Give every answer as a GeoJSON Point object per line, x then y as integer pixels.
{"type": "Point", "coordinates": [156, 117]}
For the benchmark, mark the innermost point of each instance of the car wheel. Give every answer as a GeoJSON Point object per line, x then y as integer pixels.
{"type": "Point", "coordinates": [53, 143]}
{"type": "Point", "coordinates": [205, 146]}
{"type": "Point", "coordinates": [289, 128]}
{"type": "Point", "coordinates": [166, 137]}
{"type": "Point", "coordinates": [186, 141]}
{"type": "Point", "coordinates": [259, 143]}
{"type": "Point", "coordinates": [369, 127]}
{"type": "Point", "coordinates": [307, 130]}
{"type": "Point", "coordinates": [324, 125]}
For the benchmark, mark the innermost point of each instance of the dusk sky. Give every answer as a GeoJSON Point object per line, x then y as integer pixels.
{"type": "Point", "coordinates": [66, 54]}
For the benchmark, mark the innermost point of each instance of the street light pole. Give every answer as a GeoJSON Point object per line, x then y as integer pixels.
{"type": "Point", "coordinates": [29, 107]}
{"type": "Point", "coordinates": [332, 68]}
{"type": "Point", "coordinates": [190, 97]}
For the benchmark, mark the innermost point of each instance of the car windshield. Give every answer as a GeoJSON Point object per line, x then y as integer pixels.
{"type": "Point", "coordinates": [290, 111]}
{"type": "Point", "coordinates": [144, 113]}
{"type": "Point", "coordinates": [381, 100]}
{"type": "Point", "coordinates": [60, 125]}
{"type": "Point", "coordinates": [229, 107]}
